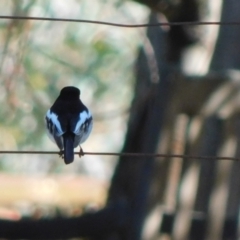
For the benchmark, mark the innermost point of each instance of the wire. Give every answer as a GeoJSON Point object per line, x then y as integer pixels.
{"type": "Point", "coordinates": [139, 155]}
{"type": "Point", "coordinates": [120, 24]}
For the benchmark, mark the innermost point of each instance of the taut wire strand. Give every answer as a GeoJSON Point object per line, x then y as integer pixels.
{"type": "Point", "coordinates": [119, 24]}
{"type": "Point", "coordinates": [139, 155]}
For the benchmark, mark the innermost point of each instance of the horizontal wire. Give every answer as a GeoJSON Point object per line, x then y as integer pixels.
{"type": "Point", "coordinates": [153, 155]}
{"type": "Point", "coordinates": [140, 155]}
{"type": "Point", "coordinates": [120, 24]}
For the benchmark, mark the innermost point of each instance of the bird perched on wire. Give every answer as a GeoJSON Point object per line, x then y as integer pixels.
{"type": "Point", "coordinates": [69, 122]}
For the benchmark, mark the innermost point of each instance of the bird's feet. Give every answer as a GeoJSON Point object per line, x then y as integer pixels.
{"type": "Point", "coordinates": [61, 155]}
{"type": "Point", "coordinates": [81, 153]}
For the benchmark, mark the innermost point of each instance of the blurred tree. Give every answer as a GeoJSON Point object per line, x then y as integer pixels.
{"type": "Point", "coordinates": [152, 105]}
{"type": "Point", "coordinates": [178, 11]}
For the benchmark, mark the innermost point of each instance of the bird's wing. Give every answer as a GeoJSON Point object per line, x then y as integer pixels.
{"type": "Point", "coordinates": [82, 127]}
{"type": "Point", "coordinates": [54, 128]}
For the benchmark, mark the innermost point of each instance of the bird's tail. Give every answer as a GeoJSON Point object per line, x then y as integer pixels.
{"type": "Point", "coordinates": [68, 144]}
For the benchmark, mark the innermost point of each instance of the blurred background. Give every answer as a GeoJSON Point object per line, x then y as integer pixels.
{"type": "Point", "coordinates": [37, 59]}
{"type": "Point", "coordinates": [170, 89]}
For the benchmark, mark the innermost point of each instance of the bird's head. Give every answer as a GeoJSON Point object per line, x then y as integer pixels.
{"type": "Point", "coordinates": [70, 92]}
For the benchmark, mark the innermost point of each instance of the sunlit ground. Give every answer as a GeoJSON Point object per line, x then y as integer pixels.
{"type": "Point", "coordinates": [31, 195]}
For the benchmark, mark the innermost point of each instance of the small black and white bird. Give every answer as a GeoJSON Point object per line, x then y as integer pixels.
{"type": "Point", "coordinates": [69, 122]}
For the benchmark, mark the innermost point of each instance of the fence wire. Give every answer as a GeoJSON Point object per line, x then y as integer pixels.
{"type": "Point", "coordinates": [159, 24]}
{"type": "Point", "coordinates": [232, 23]}
{"type": "Point", "coordinates": [137, 155]}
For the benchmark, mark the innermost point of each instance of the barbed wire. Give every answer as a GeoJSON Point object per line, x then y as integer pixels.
{"type": "Point", "coordinates": [139, 155]}
{"type": "Point", "coordinates": [121, 24]}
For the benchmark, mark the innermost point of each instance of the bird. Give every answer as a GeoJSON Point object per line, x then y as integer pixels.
{"type": "Point", "coordinates": [69, 122]}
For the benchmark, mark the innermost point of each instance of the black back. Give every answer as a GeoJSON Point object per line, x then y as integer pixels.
{"type": "Point", "coordinates": [67, 107]}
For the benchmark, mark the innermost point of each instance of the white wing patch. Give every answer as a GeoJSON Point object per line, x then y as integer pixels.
{"type": "Point", "coordinates": [87, 133]}
{"type": "Point", "coordinates": [54, 118]}
{"type": "Point", "coordinates": [83, 116]}
{"type": "Point", "coordinates": [83, 127]}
